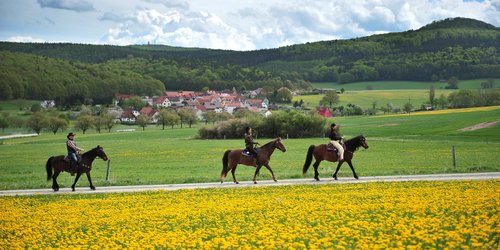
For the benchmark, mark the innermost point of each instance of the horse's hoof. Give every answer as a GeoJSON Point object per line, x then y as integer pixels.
{"type": "Point", "coordinates": [93, 188]}
{"type": "Point", "coordinates": [236, 182]}
{"type": "Point", "coordinates": [254, 182]}
{"type": "Point", "coordinates": [275, 180]}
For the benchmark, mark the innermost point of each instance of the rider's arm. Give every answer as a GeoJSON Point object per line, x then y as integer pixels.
{"type": "Point", "coordinates": [72, 145]}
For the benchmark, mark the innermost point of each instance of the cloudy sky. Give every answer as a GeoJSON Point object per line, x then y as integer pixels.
{"type": "Point", "coordinates": [224, 24]}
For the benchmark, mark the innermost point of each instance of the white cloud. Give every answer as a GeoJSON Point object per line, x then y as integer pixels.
{"type": "Point", "coordinates": [194, 30]}
{"type": "Point", "coordinates": [25, 39]}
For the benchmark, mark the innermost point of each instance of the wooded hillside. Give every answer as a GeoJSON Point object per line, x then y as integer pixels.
{"type": "Point", "coordinates": [460, 47]}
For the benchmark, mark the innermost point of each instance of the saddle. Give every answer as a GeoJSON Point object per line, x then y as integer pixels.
{"type": "Point", "coordinates": [330, 147]}
{"type": "Point", "coordinates": [245, 152]}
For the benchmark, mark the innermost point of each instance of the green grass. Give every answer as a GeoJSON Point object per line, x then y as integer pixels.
{"type": "Point", "coordinates": [365, 98]}
{"type": "Point", "coordinates": [414, 144]}
{"type": "Point", "coordinates": [402, 85]}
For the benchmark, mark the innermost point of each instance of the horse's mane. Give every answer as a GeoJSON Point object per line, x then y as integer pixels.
{"type": "Point", "coordinates": [273, 141]}
{"type": "Point", "coordinates": [354, 143]}
{"type": "Point", "coordinates": [90, 151]}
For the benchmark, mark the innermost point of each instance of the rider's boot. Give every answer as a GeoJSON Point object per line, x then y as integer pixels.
{"type": "Point", "coordinates": [72, 168]}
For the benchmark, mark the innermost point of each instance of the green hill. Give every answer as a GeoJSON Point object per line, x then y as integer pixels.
{"type": "Point", "coordinates": [460, 47]}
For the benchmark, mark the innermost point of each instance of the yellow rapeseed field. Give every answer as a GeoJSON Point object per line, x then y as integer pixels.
{"type": "Point", "coordinates": [411, 215]}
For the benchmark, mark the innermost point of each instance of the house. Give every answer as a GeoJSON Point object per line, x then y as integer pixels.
{"type": "Point", "coordinates": [48, 104]}
{"type": "Point", "coordinates": [325, 112]}
{"type": "Point", "coordinates": [153, 114]}
{"type": "Point", "coordinates": [232, 106]}
{"type": "Point", "coordinates": [163, 101]}
{"type": "Point", "coordinates": [127, 116]}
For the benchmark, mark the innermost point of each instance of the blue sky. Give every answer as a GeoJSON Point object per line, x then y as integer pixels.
{"type": "Point", "coordinates": [224, 24]}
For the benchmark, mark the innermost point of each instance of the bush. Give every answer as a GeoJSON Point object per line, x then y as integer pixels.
{"type": "Point", "coordinates": [292, 123]}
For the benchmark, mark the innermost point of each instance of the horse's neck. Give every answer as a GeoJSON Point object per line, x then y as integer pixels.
{"type": "Point", "coordinates": [269, 148]}
{"type": "Point", "coordinates": [89, 157]}
{"type": "Point", "coordinates": [351, 145]}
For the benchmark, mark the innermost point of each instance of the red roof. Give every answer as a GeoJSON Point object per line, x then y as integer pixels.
{"type": "Point", "coordinates": [147, 111]}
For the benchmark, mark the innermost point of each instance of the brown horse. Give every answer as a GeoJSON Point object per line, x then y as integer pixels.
{"type": "Point", "coordinates": [321, 153]}
{"type": "Point", "coordinates": [59, 164]}
{"type": "Point", "coordinates": [234, 157]}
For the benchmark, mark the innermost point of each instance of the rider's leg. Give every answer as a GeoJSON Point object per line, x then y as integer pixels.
{"type": "Point", "coordinates": [255, 155]}
{"type": "Point", "coordinates": [73, 161]}
{"type": "Point", "coordinates": [340, 149]}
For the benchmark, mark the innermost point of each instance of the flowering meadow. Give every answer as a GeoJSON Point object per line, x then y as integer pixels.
{"type": "Point", "coordinates": [412, 215]}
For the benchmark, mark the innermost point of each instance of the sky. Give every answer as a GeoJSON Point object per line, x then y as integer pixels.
{"type": "Point", "coordinates": [225, 24]}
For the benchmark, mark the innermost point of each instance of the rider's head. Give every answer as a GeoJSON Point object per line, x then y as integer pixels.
{"type": "Point", "coordinates": [70, 135]}
{"type": "Point", "coordinates": [248, 129]}
{"type": "Point", "coordinates": [333, 125]}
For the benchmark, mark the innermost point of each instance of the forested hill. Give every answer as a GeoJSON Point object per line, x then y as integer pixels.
{"type": "Point", "coordinates": [460, 47]}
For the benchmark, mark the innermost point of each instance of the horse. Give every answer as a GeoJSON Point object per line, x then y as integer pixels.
{"type": "Point", "coordinates": [58, 164]}
{"type": "Point", "coordinates": [321, 153]}
{"type": "Point", "coordinates": [232, 158]}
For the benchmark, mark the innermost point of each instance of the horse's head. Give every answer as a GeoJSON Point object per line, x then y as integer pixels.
{"type": "Point", "coordinates": [362, 140]}
{"type": "Point", "coordinates": [100, 153]}
{"type": "Point", "coordinates": [279, 145]}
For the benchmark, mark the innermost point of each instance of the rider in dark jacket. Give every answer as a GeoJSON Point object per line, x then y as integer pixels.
{"type": "Point", "coordinates": [335, 138]}
{"type": "Point", "coordinates": [249, 143]}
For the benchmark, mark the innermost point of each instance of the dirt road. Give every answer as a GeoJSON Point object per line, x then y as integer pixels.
{"type": "Point", "coordinates": [308, 181]}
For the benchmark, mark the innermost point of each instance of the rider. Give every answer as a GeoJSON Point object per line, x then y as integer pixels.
{"type": "Point", "coordinates": [72, 152]}
{"type": "Point", "coordinates": [335, 137]}
{"type": "Point", "coordinates": [249, 143]}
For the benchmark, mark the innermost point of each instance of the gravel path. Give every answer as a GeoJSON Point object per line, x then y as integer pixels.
{"type": "Point", "coordinates": [309, 181]}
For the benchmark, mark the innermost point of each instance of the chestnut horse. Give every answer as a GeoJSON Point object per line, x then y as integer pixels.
{"type": "Point", "coordinates": [58, 164]}
{"type": "Point", "coordinates": [234, 157]}
{"type": "Point", "coordinates": [321, 153]}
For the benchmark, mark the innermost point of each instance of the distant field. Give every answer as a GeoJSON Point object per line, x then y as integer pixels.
{"type": "Point", "coordinates": [365, 98]}
{"type": "Point", "coordinates": [393, 85]}
{"type": "Point", "coordinates": [414, 144]}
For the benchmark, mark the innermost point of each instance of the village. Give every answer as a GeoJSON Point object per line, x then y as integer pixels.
{"type": "Point", "coordinates": [199, 102]}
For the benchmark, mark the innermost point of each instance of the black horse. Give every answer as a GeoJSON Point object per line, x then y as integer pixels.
{"type": "Point", "coordinates": [321, 153]}
{"type": "Point", "coordinates": [57, 164]}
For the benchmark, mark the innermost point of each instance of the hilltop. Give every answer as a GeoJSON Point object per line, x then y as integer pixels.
{"type": "Point", "coordinates": [460, 47]}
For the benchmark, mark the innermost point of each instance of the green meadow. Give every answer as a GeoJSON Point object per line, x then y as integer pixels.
{"type": "Point", "coordinates": [396, 92]}
{"type": "Point", "coordinates": [419, 143]}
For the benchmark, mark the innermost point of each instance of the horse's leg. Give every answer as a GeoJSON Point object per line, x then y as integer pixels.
{"type": "Point", "coordinates": [90, 180]}
{"type": "Point", "coordinates": [233, 170]}
{"type": "Point", "coordinates": [316, 173]}
{"type": "Point", "coordinates": [337, 170]}
{"type": "Point", "coordinates": [270, 170]}
{"type": "Point", "coordinates": [55, 186]}
{"type": "Point", "coordinates": [256, 173]}
{"type": "Point", "coordinates": [352, 168]}
{"type": "Point", "coordinates": [78, 174]}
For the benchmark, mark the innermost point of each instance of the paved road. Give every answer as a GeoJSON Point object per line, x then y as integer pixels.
{"type": "Point", "coordinates": [399, 178]}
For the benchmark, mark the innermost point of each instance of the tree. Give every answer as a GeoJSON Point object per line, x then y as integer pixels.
{"type": "Point", "coordinates": [143, 121]}
{"type": "Point", "coordinates": [210, 116]}
{"type": "Point", "coordinates": [453, 83]}
{"type": "Point", "coordinates": [441, 101]}
{"type": "Point", "coordinates": [98, 123]}
{"type": "Point", "coordinates": [188, 116]}
{"type": "Point", "coordinates": [488, 84]}
{"type": "Point", "coordinates": [3, 123]}
{"type": "Point", "coordinates": [84, 122]}
{"type": "Point", "coordinates": [408, 107]}
{"type": "Point", "coordinates": [167, 117]}
{"type": "Point", "coordinates": [37, 122]}
{"type": "Point", "coordinates": [330, 97]}
{"type": "Point", "coordinates": [56, 123]}
{"type": "Point", "coordinates": [109, 121]}
{"type": "Point", "coordinates": [284, 95]}
{"type": "Point", "coordinates": [432, 93]}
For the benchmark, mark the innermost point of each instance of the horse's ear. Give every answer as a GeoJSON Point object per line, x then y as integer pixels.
{"type": "Point", "coordinates": [98, 146]}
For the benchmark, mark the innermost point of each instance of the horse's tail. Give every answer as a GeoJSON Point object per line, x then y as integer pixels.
{"type": "Point", "coordinates": [225, 161]}
{"type": "Point", "coordinates": [308, 159]}
{"type": "Point", "coordinates": [48, 167]}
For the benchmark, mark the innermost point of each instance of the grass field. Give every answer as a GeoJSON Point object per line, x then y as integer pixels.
{"type": "Point", "coordinates": [399, 144]}
{"type": "Point", "coordinates": [402, 85]}
{"type": "Point", "coordinates": [406, 215]}
{"type": "Point", "coordinates": [365, 98]}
